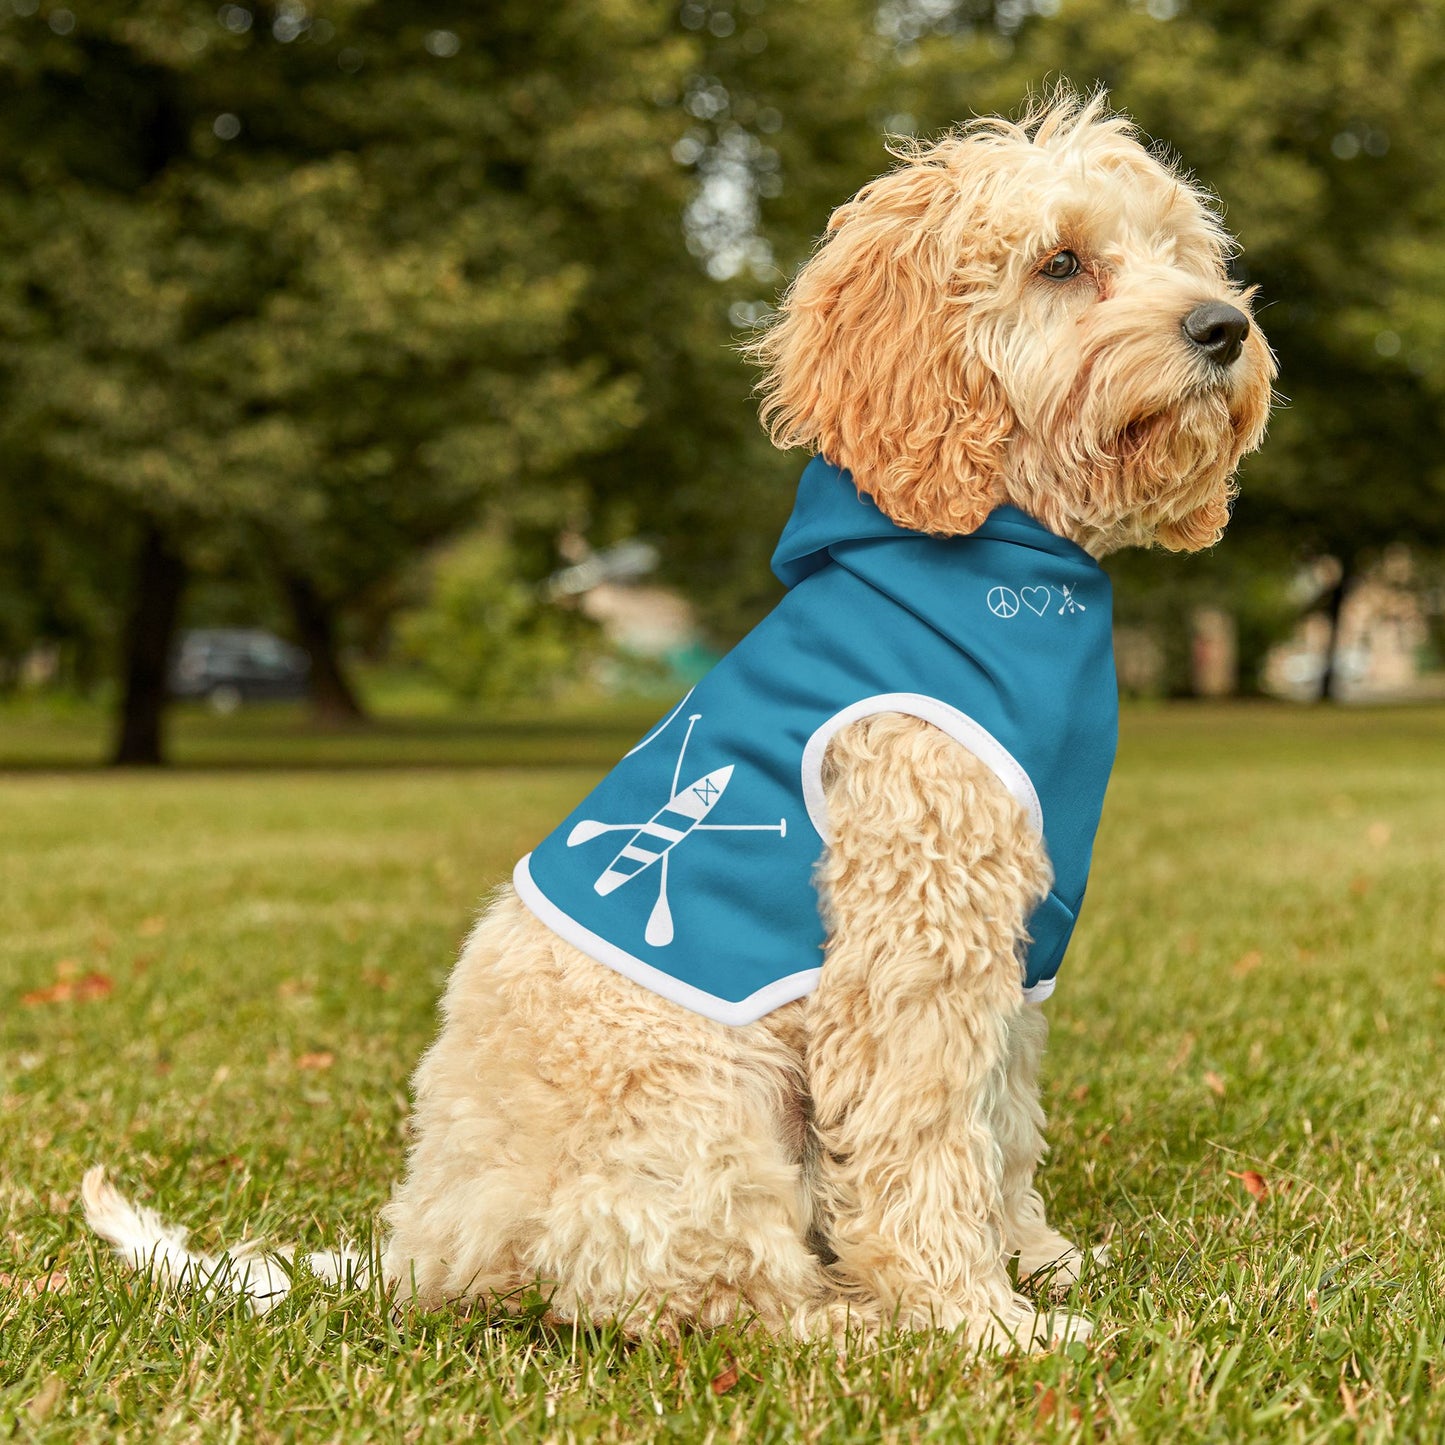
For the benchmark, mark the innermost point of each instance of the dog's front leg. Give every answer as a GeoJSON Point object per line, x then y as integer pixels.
{"type": "Point", "coordinates": [1043, 1253]}
{"type": "Point", "coordinates": [927, 884]}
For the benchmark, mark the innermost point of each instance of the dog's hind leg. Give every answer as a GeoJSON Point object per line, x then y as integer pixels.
{"type": "Point", "coordinates": [927, 884]}
{"type": "Point", "coordinates": [576, 1134]}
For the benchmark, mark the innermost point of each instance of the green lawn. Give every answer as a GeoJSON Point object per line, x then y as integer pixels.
{"type": "Point", "coordinates": [252, 957]}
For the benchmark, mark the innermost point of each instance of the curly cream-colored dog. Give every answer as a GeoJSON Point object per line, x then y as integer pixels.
{"type": "Point", "coordinates": [755, 1033]}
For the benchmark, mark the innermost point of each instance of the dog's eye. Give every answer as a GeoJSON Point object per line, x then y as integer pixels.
{"type": "Point", "coordinates": [1061, 266]}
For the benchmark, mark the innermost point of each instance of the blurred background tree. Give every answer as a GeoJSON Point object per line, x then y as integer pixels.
{"type": "Point", "coordinates": [308, 290]}
{"type": "Point", "coordinates": [292, 294]}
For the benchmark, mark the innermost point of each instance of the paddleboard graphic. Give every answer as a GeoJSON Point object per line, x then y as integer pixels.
{"type": "Point", "coordinates": [652, 841]}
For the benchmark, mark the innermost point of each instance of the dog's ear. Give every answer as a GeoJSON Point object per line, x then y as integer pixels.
{"type": "Point", "coordinates": [873, 361]}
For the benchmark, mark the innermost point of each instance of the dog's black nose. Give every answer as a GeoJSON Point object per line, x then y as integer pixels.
{"type": "Point", "coordinates": [1218, 330]}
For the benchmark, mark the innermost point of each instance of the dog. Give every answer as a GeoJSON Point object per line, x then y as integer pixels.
{"type": "Point", "coordinates": [1014, 353]}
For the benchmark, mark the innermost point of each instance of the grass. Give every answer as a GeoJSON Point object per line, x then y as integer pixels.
{"type": "Point", "coordinates": [230, 973]}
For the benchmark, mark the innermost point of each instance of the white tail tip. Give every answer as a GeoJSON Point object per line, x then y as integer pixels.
{"type": "Point", "coordinates": [148, 1244]}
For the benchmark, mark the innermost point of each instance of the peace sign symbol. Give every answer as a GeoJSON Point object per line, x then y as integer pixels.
{"type": "Point", "coordinates": [1003, 601]}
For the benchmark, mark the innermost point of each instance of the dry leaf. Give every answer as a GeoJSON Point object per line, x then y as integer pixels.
{"type": "Point", "coordinates": [1440, 980]}
{"type": "Point", "coordinates": [1378, 834]}
{"type": "Point", "coordinates": [1214, 1083]}
{"type": "Point", "coordinates": [322, 1059]}
{"type": "Point", "coordinates": [151, 927]}
{"type": "Point", "coordinates": [724, 1382]}
{"type": "Point", "coordinates": [66, 990]}
{"type": "Point", "coordinates": [1360, 885]}
{"type": "Point", "coordinates": [56, 1282]}
{"type": "Point", "coordinates": [1248, 962]}
{"type": "Point", "coordinates": [377, 978]}
{"type": "Point", "coordinates": [1080, 1094]}
{"type": "Point", "coordinates": [1047, 1407]}
{"type": "Point", "coordinates": [1255, 1184]}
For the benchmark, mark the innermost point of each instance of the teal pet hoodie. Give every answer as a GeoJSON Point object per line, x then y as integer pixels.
{"type": "Point", "coordinates": [689, 867]}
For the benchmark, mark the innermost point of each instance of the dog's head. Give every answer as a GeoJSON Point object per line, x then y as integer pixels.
{"type": "Point", "coordinates": [1036, 313]}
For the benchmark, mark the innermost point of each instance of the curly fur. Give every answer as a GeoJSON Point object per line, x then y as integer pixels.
{"type": "Point", "coordinates": [865, 1156]}
{"type": "Point", "coordinates": [921, 349]}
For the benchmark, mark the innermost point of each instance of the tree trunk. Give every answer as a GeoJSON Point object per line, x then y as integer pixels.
{"type": "Point", "coordinates": [1329, 676]}
{"type": "Point", "coordinates": [160, 579]}
{"type": "Point", "coordinates": [333, 699]}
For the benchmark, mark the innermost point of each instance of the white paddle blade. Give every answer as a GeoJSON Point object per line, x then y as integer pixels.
{"type": "Point", "coordinates": [659, 923]}
{"type": "Point", "coordinates": [586, 831]}
{"type": "Point", "coordinates": [658, 932]}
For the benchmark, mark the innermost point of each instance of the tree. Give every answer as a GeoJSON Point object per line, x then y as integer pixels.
{"type": "Point", "coordinates": [292, 283]}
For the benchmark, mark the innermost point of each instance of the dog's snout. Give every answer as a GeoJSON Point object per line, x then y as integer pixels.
{"type": "Point", "coordinates": [1218, 330]}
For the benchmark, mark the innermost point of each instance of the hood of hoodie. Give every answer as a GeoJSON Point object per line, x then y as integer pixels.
{"type": "Point", "coordinates": [832, 522]}
{"type": "Point", "coordinates": [830, 512]}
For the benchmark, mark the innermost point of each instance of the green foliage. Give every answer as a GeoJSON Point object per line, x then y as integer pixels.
{"type": "Point", "coordinates": [1251, 987]}
{"type": "Point", "coordinates": [307, 293]}
{"type": "Point", "coordinates": [317, 288]}
{"type": "Point", "coordinates": [486, 634]}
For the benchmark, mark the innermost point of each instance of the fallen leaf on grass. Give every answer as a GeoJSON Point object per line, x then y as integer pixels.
{"type": "Point", "coordinates": [1255, 1184]}
{"type": "Point", "coordinates": [1378, 834]}
{"type": "Point", "coordinates": [1360, 885]}
{"type": "Point", "coordinates": [1046, 1407]}
{"type": "Point", "coordinates": [66, 990]}
{"type": "Point", "coordinates": [1214, 1083]}
{"type": "Point", "coordinates": [723, 1382]}
{"type": "Point", "coordinates": [377, 978]}
{"type": "Point", "coordinates": [151, 927]}
{"type": "Point", "coordinates": [1247, 963]}
{"type": "Point", "coordinates": [1440, 980]}
{"type": "Point", "coordinates": [322, 1059]}
{"type": "Point", "coordinates": [1079, 1094]}
{"type": "Point", "coordinates": [56, 1282]}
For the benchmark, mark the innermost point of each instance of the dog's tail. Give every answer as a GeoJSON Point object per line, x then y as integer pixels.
{"type": "Point", "coordinates": [147, 1243]}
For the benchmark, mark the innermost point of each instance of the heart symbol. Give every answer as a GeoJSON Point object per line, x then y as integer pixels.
{"type": "Point", "coordinates": [1042, 594]}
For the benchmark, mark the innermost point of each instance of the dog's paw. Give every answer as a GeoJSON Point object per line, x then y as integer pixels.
{"type": "Point", "coordinates": [1058, 1270]}
{"type": "Point", "coordinates": [1060, 1327]}
{"type": "Point", "coordinates": [1023, 1326]}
